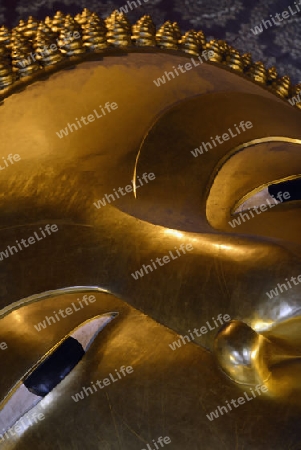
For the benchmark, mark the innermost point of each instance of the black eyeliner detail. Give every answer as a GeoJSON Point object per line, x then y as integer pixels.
{"type": "Point", "coordinates": [55, 368]}
{"type": "Point", "coordinates": [293, 187]}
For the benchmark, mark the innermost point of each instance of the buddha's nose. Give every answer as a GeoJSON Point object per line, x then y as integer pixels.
{"type": "Point", "coordinates": [248, 357]}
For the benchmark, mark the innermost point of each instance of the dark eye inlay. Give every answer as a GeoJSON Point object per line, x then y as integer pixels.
{"type": "Point", "coordinates": [273, 194]}
{"type": "Point", "coordinates": [51, 370]}
{"type": "Point", "coordinates": [55, 368]}
{"type": "Point", "coordinates": [293, 187]}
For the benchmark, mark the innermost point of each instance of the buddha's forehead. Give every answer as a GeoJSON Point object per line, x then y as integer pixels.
{"type": "Point", "coordinates": [153, 129]}
{"type": "Point", "coordinates": [31, 119]}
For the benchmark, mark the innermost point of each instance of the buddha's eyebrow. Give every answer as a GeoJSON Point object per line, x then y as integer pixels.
{"type": "Point", "coordinates": [51, 370]}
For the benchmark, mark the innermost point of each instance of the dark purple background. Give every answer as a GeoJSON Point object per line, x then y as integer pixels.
{"type": "Point", "coordinates": [224, 19]}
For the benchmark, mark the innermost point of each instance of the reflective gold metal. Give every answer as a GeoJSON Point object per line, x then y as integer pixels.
{"type": "Point", "coordinates": [217, 49]}
{"type": "Point", "coordinates": [190, 43]}
{"type": "Point", "coordinates": [202, 39]}
{"type": "Point", "coordinates": [247, 61]}
{"type": "Point", "coordinates": [234, 61]}
{"type": "Point", "coordinates": [296, 91]}
{"type": "Point", "coordinates": [272, 76]}
{"type": "Point", "coordinates": [58, 180]}
{"type": "Point", "coordinates": [258, 72]}
{"type": "Point", "coordinates": [119, 34]}
{"type": "Point", "coordinates": [94, 34]}
{"type": "Point", "coordinates": [283, 87]}
{"type": "Point", "coordinates": [144, 32]}
{"type": "Point", "coordinates": [177, 31]}
{"type": "Point", "coordinates": [167, 37]}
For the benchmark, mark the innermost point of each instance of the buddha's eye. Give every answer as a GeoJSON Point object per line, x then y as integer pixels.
{"type": "Point", "coordinates": [50, 370]}
{"type": "Point", "coordinates": [274, 194]}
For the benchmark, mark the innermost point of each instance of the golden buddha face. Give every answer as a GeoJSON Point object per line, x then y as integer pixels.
{"type": "Point", "coordinates": [121, 207]}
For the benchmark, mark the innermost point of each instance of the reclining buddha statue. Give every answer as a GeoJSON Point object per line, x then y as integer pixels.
{"type": "Point", "coordinates": [150, 240]}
